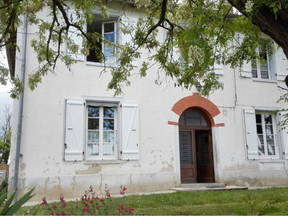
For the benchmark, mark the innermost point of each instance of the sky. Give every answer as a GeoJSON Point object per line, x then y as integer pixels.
{"type": "Point", "coordinates": [5, 100]}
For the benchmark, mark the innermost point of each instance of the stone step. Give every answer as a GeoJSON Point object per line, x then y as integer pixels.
{"type": "Point", "coordinates": [203, 185]}
{"type": "Point", "coordinates": [195, 189]}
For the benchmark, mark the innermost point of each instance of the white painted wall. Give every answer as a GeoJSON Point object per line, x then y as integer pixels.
{"type": "Point", "coordinates": [42, 144]}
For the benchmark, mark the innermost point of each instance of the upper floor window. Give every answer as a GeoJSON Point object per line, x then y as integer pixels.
{"type": "Point", "coordinates": [107, 29]}
{"type": "Point", "coordinates": [262, 68]}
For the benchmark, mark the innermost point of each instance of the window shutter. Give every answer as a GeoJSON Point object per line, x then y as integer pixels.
{"type": "Point", "coordinates": [246, 69]}
{"type": "Point", "coordinates": [285, 142]}
{"type": "Point", "coordinates": [251, 134]}
{"type": "Point", "coordinates": [281, 64]}
{"type": "Point", "coordinates": [128, 23]}
{"type": "Point", "coordinates": [130, 132]}
{"type": "Point", "coordinates": [75, 36]}
{"type": "Point", "coordinates": [218, 69]}
{"type": "Point", "coordinates": [74, 130]}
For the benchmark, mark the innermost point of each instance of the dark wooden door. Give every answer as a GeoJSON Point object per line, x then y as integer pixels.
{"type": "Point", "coordinates": [205, 164]}
{"type": "Point", "coordinates": [187, 156]}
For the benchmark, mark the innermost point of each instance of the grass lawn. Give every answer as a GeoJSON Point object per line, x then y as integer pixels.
{"type": "Point", "coordinates": [259, 202]}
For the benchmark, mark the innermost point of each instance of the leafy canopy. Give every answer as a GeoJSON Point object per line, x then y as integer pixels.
{"type": "Point", "coordinates": [198, 35]}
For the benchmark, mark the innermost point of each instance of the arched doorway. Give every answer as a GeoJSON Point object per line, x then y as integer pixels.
{"type": "Point", "coordinates": [196, 150]}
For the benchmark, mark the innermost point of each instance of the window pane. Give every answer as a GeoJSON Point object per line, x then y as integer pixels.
{"type": "Point", "coordinates": [93, 136]}
{"type": "Point", "coordinates": [108, 112]}
{"type": "Point", "coordinates": [108, 124]}
{"type": "Point", "coordinates": [95, 53]}
{"type": "Point", "coordinates": [261, 149]}
{"type": "Point", "coordinates": [109, 37]}
{"type": "Point", "coordinates": [270, 145]}
{"type": "Point", "coordinates": [93, 111]}
{"type": "Point", "coordinates": [269, 129]}
{"type": "Point", "coordinates": [254, 68]}
{"type": "Point", "coordinates": [93, 149]}
{"type": "Point", "coordinates": [108, 149]}
{"type": "Point", "coordinates": [93, 124]}
{"type": "Point", "coordinates": [268, 119]}
{"type": "Point", "coordinates": [193, 121]}
{"type": "Point", "coordinates": [258, 118]}
{"type": "Point", "coordinates": [108, 27]}
{"type": "Point", "coordinates": [259, 129]}
{"type": "Point", "coordinates": [108, 137]}
{"type": "Point", "coordinates": [264, 72]}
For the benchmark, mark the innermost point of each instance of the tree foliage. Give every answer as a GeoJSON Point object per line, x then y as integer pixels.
{"type": "Point", "coordinates": [198, 34]}
{"type": "Point", "coordinates": [5, 137]}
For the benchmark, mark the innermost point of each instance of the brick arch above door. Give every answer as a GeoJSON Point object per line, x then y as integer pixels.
{"type": "Point", "coordinates": [197, 101]}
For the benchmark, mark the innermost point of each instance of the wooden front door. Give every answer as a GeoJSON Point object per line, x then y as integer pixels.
{"type": "Point", "coordinates": [205, 163]}
{"type": "Point", "coordinates": [196, 152]}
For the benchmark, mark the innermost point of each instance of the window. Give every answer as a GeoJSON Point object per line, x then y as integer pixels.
{"type": "Point", "coordinates": [108, 31]}
{"type": "Point", "coordinates": [92, 130]}
{"type": "Point", "coordinates": [266, 137]}
{"type": "Point", "coordinates": [101, 131]}
{"type": "Point", "coordinates": [262, 68]}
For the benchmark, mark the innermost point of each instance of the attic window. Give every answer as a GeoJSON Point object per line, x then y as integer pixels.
{"type": "Point", "coordinates": [108, 31]}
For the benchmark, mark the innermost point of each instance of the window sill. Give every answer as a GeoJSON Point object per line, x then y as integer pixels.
{"type": "Point", "coordinates": [264, 80]}
{"type": "Point", "coordinates": [98, 64]}
{"type": "Point", "coordinates": [271, 160]}
{"type": "Point", "coordinates": [89, 162]}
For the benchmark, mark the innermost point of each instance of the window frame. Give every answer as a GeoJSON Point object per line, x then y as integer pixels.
{"type": "Point", "coordinates": [114, 20]}
{"type": "Point", "coordinates": [258, 66]}
{"type": "Point", "coordinates": [102, 157]}
{"type": "Point", "coordinates": [274, 128]}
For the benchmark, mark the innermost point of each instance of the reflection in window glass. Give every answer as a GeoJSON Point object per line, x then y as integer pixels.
{"type": "Point", "coordinates": [265, 134]}
{"type": "Point", "coordinates": [101, 137]}
{"type": "Point", "coordinates": [192, 117]}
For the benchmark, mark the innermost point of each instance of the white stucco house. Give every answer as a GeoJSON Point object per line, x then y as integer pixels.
{"type": "Point", "coordinates": [75, 133]}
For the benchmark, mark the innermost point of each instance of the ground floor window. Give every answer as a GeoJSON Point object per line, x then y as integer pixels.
{"type": "Point", "coordinates": [266, 134]}
{"type": "Point", "coordinates": [101, 131]}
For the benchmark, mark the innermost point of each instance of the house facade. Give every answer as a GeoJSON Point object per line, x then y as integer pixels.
{"type": "Point", "coordinates": [75, 133]}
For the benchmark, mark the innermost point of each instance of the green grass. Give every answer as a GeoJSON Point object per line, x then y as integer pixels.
{"type": "Point", "coordinates": [252, 202]}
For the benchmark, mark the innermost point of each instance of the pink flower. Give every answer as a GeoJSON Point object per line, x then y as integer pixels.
{"type": "Point", "coordinates": [86, 209]}
{"type": "Point", "coordinates": [121, 208]}
{"type": "Point", "coordinates": [63, 202]}
{"type": "Point", "coordinates": [123, 190]}
{"type": "Point", "coordinates": [44, 202]}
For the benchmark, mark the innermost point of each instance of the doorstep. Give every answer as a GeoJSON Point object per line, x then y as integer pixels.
{"type": "Point", "coordinates": [207, 187]}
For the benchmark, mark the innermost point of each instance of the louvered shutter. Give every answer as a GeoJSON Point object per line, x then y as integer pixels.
{"type": "Point", "coordinates": [130, 132]}
{"type": "Point", "coordinates": [74, 130]}
{"type": "Point", "coordinates": [251, 134]}
{"type": "Point", "coordinates": [75, 35]}
{"type": "Point", "coordinates": [281, 64]}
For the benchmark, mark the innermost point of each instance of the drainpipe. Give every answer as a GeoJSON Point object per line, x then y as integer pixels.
{"type": "Point", "coordinates": [21, 103]}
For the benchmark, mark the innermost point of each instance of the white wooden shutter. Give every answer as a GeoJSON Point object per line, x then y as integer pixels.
{"type": "Point", "coordinates": [246, 69]}
{"type": "Point", "coordinates": [218, 69]}
{"type": "Point", "coordinates": [74, 130]}
{"type": "Point", "coordinates": [130, 132]}
{"type": "Point", "coordinates": [129, 23]}
{"type": "Point", "coordinates": [251, 134]}
{"type": "Point", "coordinates": [285, 142]}
{"type": "Point", "coordinates": [281, 64]}
{"type": "Point", "coordinates": [75, 35]}
{"type": "Point", "coordinates": [283, 133]}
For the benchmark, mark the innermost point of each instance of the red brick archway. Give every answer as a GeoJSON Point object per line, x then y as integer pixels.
{"type": "Point", "coordinates": [197, 101]}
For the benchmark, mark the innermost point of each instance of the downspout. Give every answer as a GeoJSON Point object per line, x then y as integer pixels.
{"type": "Point", "coordinates": [21, 105]}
